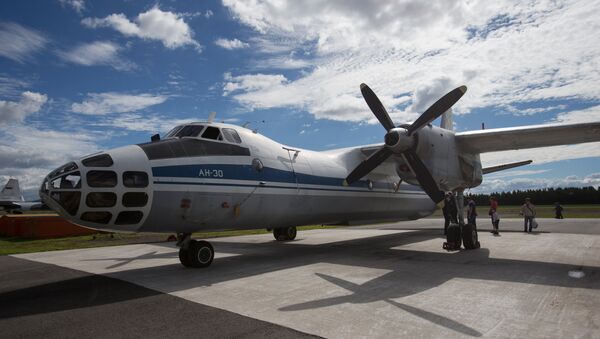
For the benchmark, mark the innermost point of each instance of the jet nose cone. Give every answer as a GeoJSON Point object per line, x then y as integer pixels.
{"type": "Point", "coordinates": [111, 190]}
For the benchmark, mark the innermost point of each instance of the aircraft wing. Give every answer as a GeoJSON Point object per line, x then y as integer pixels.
{"type": "Point", "coordinates": [502, 139]}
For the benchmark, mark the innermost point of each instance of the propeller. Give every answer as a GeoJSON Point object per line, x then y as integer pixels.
{"type": "Point", "coordinates": [401, 140]}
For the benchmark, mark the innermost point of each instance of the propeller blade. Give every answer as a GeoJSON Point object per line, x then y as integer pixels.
{"type": "Point", "coordinates": [438, 108]}
{"type": "Point", "coordinates": [376, 107]}
{"type": "Point", "coordinates": [368, 165]}
{"type": "Point", "coordinates": [423, 175]}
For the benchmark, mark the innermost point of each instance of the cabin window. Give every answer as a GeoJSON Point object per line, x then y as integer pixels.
{"type": "Point", "coordinates": [68, 200]}
{"type": "Point", "coordinates": [135, 179]}
{"type": "Point", "coordinates": [63, 169]}
{"type": "Point", "coordinates": [97, 217]}
{"type": "Point", "coordinates": [102, 160]}
{"type": "Point", "coordinates": [257, 165]}
{"type": "Point", "coordinates": [101, 199]}
{"type": "Point", "coordinates": [71, 180]}
{"type": "Point", "coordinates": [135, 199]}
{"type": "Point", "coordinates": [231, 135]}
{"type": "Point", "coordinates": [129, 218]}
{"type": "Point", "coordinates": [212, 133]}
{"type": "Point", "coordinates": [189, 131]}
{"type": "Point", "coordinates": [101, 178]}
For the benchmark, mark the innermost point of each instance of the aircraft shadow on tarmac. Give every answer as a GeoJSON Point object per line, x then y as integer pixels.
{"type": "Point", "coordinates": [410, 271]}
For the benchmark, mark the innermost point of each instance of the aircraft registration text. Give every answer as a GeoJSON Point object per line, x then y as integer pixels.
{"type": "Point", "coordinates": [210, 173]}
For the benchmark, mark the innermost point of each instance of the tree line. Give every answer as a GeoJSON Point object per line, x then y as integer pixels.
{"type": "Point", "coordinates": [545, 196]}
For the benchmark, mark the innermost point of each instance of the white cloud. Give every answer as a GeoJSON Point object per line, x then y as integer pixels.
{"type": "Point", "coordinates": [110, 102]}
{"type": "Point", "coordinates": [231, 44]}
{"type": "Point", "coordinates": [17, 111]}
{"type": "Point", "coordinates": [591, 114]}
{"type": "Point", "coordinates": [506, 53]}
{"type": "Point", "coordinates": [208, 13]}
{"type": "Point", "coordinates": [97, 53]}
{"type": "Point", "coordinates": [154, 24]}
{"type": "Point", "coordinates": [19, 43]}
{"type": "Point", "coordinates": [144, 123]}
{"type": "Point", "coordinates": [29, 154]}
{"type": "Point", "coordinates": [543, 155]}
{"type": "Point", "coordinates": [77, 5]}
{"type": "Point", "coordinates": [499, 185]}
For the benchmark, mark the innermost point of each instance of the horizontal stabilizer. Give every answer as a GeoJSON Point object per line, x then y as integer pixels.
{"type": "Point", "coordinates": [498, 168]}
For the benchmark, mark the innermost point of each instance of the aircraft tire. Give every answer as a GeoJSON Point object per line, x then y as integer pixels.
{"type": "Point", "coordinates": [184, 257]}
{"type": "Point", "coordinates": [285, 233]}
{"type": "Point", "coordinates": [200, 254]}
{"type": "Point", "coordinates": [290, 233]}
{"type": "Point", "coordinates": [469, 235]}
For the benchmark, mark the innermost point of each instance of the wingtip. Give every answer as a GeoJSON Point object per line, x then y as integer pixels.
{"type": "Point", "coordinates": [463, 89]}
{"type": "Point", "coordinates": [363, 85]}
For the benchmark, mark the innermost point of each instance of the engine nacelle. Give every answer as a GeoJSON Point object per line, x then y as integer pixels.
{"type": "Point", "coordinates": [451, 167]}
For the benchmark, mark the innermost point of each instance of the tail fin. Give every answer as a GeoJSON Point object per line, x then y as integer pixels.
{"type": "Point", "coordinates": [11, 191]}
{"type": "Point", "coordinates": [447, 122]}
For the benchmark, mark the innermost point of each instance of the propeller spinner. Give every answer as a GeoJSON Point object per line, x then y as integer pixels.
{"type": "Point", "coordinates": [400, 140]}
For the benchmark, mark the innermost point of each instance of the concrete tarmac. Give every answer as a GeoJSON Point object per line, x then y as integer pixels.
{"type": "Point", "coordinates": [387, 280]}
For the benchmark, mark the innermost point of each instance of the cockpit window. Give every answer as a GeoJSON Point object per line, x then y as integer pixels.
{"type": "Point", "coordinates": [189, 131]}
{"type": "Point", "coordinates": [173, 131]}
{"type": "Point", "coordinates": [212, 133]}
{"type": "Point", "coordinates": [231, 135]}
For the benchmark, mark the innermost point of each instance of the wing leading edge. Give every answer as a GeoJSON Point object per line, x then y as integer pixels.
{"type": "Point", "coordinates": [502, 139]}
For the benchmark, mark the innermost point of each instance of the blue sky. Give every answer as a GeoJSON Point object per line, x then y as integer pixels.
{"type": "Point", "coordinates": [77, 76]}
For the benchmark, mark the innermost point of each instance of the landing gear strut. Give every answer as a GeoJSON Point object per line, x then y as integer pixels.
{"type": "Point", "coordinates": [194, 253]}
{"type": "Point", "coordinates": [285, 233]}
{"type": "Point", "coordinates": [465, 232]}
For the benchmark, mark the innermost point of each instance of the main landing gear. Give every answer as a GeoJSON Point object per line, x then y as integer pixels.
{"type": "Point", "coordinates": [194, 253]}
{"type": "Point", "coordinates": [285, 233]}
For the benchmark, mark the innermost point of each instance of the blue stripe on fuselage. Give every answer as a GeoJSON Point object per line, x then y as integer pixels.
{"type": "Point", "coordinates": [269, 174]}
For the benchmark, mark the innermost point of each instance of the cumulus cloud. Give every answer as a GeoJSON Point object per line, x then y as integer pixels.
{"type": "Point", "coordinates": [77, 5]}
{"type": "Point", "coordinates": [506, 53]}
{"type": "Point", "coordinates": [154, 24]}
{"type": "Point", "coordinates": [110, 102]}
{"type": "Point", "coordinates": [144, 123]}
{"type": "Point", "coordinates": [97, 53]}
{"type": "Point", "coordinates": [591, 114]}
{"type": "Point", "coordinates": [17, 111]}
{"type": "Point", "coordinates": [231, 44]}
{"type": "Point", "coordinates": [19, 43]}
{"type": "Point", "coordinates": [28, 154]}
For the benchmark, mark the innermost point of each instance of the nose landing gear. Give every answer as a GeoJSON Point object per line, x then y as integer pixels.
{"type": "Point", "coordinates": [194, 253]}
{"type": "Point", "coordinates": [285, 233]}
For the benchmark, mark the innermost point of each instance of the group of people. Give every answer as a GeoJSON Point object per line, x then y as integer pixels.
{"type": "Point", "coordinates": [528, 212]}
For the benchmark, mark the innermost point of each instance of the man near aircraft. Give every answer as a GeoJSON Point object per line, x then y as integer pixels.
{"type": "Point", "coordinates": [528, 213]}
{"type": "Point", "coordinates": [449, 210]}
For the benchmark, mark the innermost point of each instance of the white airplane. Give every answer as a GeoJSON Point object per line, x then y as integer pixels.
{"type": "Point", "coordinates": [214, 176]}
{"type": "Point", "coordinates": [11, 198]}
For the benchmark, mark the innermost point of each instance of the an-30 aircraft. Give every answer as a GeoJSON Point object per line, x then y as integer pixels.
{"type": "Point", "coordinates": [213, 176]}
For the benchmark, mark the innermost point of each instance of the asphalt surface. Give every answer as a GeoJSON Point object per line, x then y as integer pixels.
{"type": "Point", "coordinates": [46, 301]}
{"type": "Point", "coordinates": [379, 281]}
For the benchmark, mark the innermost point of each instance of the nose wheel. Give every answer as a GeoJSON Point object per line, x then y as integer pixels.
{"type": "Point", "coordinates": [195, 253]}
{"type": "Point", "coordinates": [285, 233]}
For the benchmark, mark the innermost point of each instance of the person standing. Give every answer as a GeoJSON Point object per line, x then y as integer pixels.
{"type": "Point", "coordinates": [558, 211]}
{"type": "Point", "coordinates": [528, 213]}
{"type": "Point", "coordinates": [471, 212]}
{"type": "Point", "coordinates": [493, 212]}
{"type": "Point", "coordinates": [449, 210]}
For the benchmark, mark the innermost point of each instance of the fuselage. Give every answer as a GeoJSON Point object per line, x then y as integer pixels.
{"type": "Point", "coordinates": [211, 176]}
